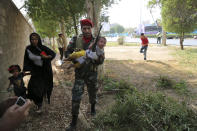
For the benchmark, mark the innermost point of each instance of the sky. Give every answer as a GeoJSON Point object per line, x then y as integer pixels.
{"type": "Point", "coordinates": [19, 4]}
{"type": "Point", "coordinates": [128, 13]}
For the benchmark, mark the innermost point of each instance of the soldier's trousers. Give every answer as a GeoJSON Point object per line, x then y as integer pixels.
{"type": "Point", "coordinates": [91, 81]}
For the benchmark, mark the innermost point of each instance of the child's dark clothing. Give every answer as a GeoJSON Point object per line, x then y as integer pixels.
{"type": "Point", "coordinates": [19, 86]}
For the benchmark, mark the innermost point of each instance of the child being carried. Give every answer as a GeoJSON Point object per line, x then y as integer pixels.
{"type": "Point", "coordinates": [79, 57]}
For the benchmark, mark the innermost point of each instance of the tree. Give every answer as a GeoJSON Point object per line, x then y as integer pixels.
{"type": "Point", "coordinates": [93, 10]}
{"type": "Point", "coordinates": [64, 12]}
{"type": "Point", "coordinates": [116, 28]}
{"type": "Point", "coordinates": [129, 30]}
{"type": "Point", "coordinates": [153, 4]}
{"type": "Point", "coordinates": [179, 16]}
{"type": "Point", "coordinates": [47, 28]}
{"type": "Point", "coordinates": [119, 29]}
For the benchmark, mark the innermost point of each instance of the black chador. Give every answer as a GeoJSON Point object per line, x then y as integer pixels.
{"type": "Point", "coordinates": [41, 81]}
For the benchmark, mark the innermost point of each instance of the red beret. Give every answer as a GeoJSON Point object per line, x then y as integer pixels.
{"type": "Point", "coordinates": [86, 22]}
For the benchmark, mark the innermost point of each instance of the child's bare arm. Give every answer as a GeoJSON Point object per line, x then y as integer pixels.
{"type": "Point", "coordinates": [27, 73]}
{"type": "Point", "coordinates": [9, 85]}
{"type": "Point", "coordinates": [9, 89]}
{"type": "Point", "coordinates": [91, 45]}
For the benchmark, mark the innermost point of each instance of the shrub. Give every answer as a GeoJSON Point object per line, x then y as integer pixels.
{"type": "Point", "coordinates": [181, 88]}
{"type": "Point", "coordinates": [166, 83]}
{"type": "Point", "coordinates": [121, 40]}
{"type": "Point", "coordinates": [108, 83]}
{"type": "Point", "coordinates": [111, 84]}
{"type": "Point", "coordinates": [147, 111]}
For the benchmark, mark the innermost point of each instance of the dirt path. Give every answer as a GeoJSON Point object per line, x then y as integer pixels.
{"type": "Point", "coordinates": [57, 115]}
{"type": "Point", "coordinates": [132, 53]}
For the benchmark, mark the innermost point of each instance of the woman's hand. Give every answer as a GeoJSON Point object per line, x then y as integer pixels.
{"type": "Point", "coordinates": [46, 57]}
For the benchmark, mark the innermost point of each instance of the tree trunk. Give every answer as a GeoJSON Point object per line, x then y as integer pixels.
{"type": "Point", "coordinates": [96, 15]}
{"type": "Point", "coordinates": [164, 37]}
{"type": "Point", "coordinates": [181, 40]}
{"type": "Point", "coordinates": [93, 8]}
{"type": "Point", "coordinates": [53, 44]}
{"type": "Point", "coordinates": [75, 24]}
{"type": "Point", "coordinates": [89, 9]}
{"type": "Point", "coordinates": [62, 27]}
{"type": "Point", "coordinates": [50, 42]}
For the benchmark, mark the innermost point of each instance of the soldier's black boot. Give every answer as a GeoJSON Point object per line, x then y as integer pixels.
{"type": "Point", "coordinates": [73, 124]}
{"type": "Point", "coordinates": [93, 111]}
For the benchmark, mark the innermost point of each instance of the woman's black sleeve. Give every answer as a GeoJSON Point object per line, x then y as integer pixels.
{"type": "Point", "coordinates": [27, 63]}
{"type": "Point", "coordinates": [50, 52]}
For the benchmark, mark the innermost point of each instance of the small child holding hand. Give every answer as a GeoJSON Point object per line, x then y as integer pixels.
{"type": "Point", "coordinates": [16, 81]}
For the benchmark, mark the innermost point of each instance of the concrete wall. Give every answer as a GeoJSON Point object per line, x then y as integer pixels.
{"type": "Point", "coordinates": [14, 36]}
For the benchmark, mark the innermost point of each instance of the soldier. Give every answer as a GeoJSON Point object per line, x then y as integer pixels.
{"type": "Point", "coordinates": [86, 74]}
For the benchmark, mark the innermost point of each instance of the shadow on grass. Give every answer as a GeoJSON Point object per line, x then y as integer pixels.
{"type": "Point", "coordinates": [144, 75]}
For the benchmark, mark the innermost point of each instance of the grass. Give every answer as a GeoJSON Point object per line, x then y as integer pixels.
{"type": "Point", "coordinates": [181, 87]}
{"type": "Point", "coordinates": [186, 57]}
{"type": "Point", "coordinates": [142, 111]}
{"type": "Point", "coordinates": [112, 84]}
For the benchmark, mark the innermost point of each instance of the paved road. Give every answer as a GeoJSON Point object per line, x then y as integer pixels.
{"type": "Point", "coordinates": [187, 42]}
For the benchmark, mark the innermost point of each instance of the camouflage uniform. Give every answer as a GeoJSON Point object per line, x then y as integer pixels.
{"type": "Point", "coordinates": [86, 74]}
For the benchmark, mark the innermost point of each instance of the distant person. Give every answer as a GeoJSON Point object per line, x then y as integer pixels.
{"type": "Point", "coordinates": [60, 45]}
{"type": "Point", "coordinates": [16, 81]}
{"type": "Point", "coordinates": [12, 115]}
{"type": "Point", "coordinates": [159, 35]}
{"type": "Point", "coordinates": [37, 60]}
{"type": "Point", "coordinates": [144, 47]}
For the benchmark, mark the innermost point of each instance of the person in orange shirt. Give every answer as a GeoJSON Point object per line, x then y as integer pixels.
{"type": "Point", "coordinates": [144, 47]}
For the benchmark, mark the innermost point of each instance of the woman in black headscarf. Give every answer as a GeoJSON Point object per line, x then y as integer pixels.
{"type": "Point", "coordinates": [37, 60]}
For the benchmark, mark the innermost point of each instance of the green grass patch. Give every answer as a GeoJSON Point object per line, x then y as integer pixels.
{"type": "Point", "coordinates": [140, 111]}
{"type": "Point", "coordinates": [186, 57]}
{"type": "Point", "coordinates": [181, 87]}
{"type": "Point", "coordinates": [112, 84]}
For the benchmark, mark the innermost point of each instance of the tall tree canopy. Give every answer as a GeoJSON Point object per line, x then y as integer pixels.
{"type": "Point", "coordinates": [116, 28]}
{"type": "Point", "coordinates": [179, 16]}
{"type": "Point", "coordinates": [57, 10]}
{"type": "Point", "coordinates": [47, 28]}
{"type": "Point", "coordinates": [153, 4]}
